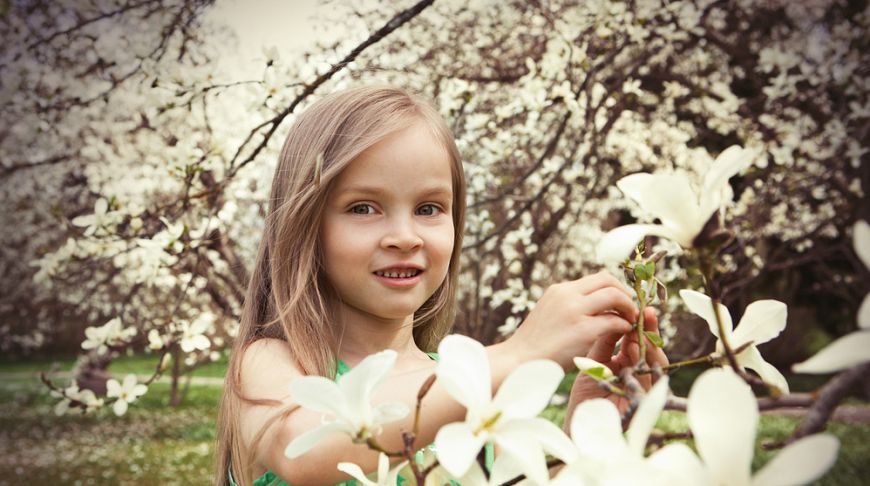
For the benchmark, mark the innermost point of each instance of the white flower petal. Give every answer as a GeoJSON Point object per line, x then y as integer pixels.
{"type": "Point", "coordinates": [671, 198]}
{"type": "Point", "coordinates": [527, 389]}
{"type": "Point", "coordinates": [393, 476]}
{"type": "Point", "coordinates": [802, 462]}
{"type": "Point", "coordinates": [456, 447]}
{"type": "Point", "coordinates": [305, 441]}
{"type": "Point", "coordinates": [129, 382]}
{"type": "Point", "coordinates": [504, 468]}
{"type": "Point", "coordinates": [618, 244]}
{"type": "Point", "coordinates": [570, 475]}
{"type": "Point", "coordinates": [864, 313]}
{"type": "Point", "coordinates": [731, 161]}
{"type": "Point", "coordinates": [847, 351]}
{"type": "Point", "coordinates": [526, 453]}
{"type": "Point", "coordinates": [113, 388]}
{"type": "Point", "coordinates": [762, 321]}
{"type": "Point", "coordinates": [723, 416]}
{"type": "Point", "coordinates": [596, 429]}
{"type": "Point", "coordinates": [463, 370]}
{"type": "Point", "coordinates": [631, 471]}
{"type": "Point", "coordinates": [120, 407]}
{"type": "Point", "coordinates": [679, 465]}
{"type": "Point", "coordinates": [356, 472]}
{"type": "Point", "coordinates": [646, 416]}
{"type": "Point", "coordinates": [390, 412]}
{"type": "Point", "coordinates": [751, 358]}
{"type": "Point", "coordinates": [541, 430]}
{"type": "Point", "coordinates": [861, 241]}
{"type": "Point", "coordinates": [473, 477]}
{"type": "Point", "coordinates": [358, 384]}
{"type": "Point", "coordinates": [320, 395]}
{"type": "Point", "coordinates": [101, 206]}
{"type": "Point", "coordinates": [702, 305]}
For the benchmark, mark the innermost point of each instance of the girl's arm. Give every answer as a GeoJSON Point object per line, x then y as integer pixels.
{"type": "Point", "coordinates": [566, 322]}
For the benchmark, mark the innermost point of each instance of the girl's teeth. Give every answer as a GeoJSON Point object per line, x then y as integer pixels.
{"type": "Point", "coordinates": [406, 274]}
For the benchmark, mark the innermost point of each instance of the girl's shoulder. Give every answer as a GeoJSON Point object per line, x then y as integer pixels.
{"type": "Point", "coordinates": [265, 362]}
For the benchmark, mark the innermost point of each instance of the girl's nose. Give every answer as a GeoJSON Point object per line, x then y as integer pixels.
{"type": "Point", "coordinates": [402, 235]}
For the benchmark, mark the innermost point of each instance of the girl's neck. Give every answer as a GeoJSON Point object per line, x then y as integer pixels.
{"type": "Point", "coordinates": [363, 335]}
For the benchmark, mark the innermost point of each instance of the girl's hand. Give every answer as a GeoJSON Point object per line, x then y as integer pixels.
{"type": "Point", "coordinates": [571, 317]}
{"type": "Point", "coordinates": [585, 387]}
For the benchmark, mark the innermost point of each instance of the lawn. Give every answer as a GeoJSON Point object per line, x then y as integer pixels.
{"type": "Point", "coordinates": [154, 444]}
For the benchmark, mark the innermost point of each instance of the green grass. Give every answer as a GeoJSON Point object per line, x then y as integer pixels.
{"type": "Point", "coordinates": [140, 364]}
{"type": "Point", "coordinates": [151, 444]}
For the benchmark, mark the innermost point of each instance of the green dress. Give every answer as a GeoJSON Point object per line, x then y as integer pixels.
{"type": "Point", "coordinates": [269, 478]}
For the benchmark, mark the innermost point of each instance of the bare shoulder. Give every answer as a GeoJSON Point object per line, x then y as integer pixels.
{"type": "Point", "coordinates": [266, 370]}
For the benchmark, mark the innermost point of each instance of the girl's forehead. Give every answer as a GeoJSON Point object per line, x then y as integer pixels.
{"type": "Point", "coordinates": [415, 152]}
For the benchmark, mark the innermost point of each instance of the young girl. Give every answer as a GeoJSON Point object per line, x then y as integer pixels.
{"type": "Point", "coordinates": [360, 254]}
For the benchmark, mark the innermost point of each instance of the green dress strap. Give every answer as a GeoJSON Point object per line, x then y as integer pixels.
{"type": "Point", "coordinates": [269, 478]}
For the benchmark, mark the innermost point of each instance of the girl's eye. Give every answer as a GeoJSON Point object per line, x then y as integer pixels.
{"type": "Point", "coordinates": [428, 210]}
{"type": "Point", "coordinates": [362, 209]}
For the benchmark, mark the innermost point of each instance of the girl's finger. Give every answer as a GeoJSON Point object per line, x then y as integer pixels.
{"type": "Point", "coordinates": [600, 326]}
{"type": "Point", "coordinates": [650, 320]}
{"type": "Point", "coordinates": [608, 300]}
{"type": "Point", "coordinates": [603, 348]}
{"type": "Point", "coordinates": [598, 281]}
{"type": "Point", "coordinates": [655, 356]}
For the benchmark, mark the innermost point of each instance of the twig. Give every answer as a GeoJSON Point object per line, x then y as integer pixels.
{"type": "Point", "coordinates": [400, 19]}
{"type": "Point", "coordinates": [827, 400]}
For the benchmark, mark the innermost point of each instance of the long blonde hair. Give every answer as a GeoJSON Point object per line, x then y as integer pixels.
{"type": "Point", "coordinates": [288, 297]}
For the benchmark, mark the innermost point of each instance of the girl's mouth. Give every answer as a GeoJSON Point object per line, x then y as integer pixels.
{"type": "Point", "coordinates": [396, 273]}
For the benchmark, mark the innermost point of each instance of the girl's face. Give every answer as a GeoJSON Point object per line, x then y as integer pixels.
{"type": "Point", "coordinates": [387, 232]}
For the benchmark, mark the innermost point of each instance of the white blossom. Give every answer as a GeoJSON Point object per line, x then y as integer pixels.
{"type": "Point", "coordinates": [125, 393]}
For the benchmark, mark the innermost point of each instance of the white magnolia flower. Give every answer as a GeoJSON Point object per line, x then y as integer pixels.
{"type": "Point", "coordinates": [67, 395]}
{"type": "Point", "coordinates": [762, 321]}
{"type": "Point", "coordinates": [851, 349]}
{"type": "Point", "coordinates": [509, 419]}
{"type": "Point", "coordinates": [683, 211]}
{"type": "Point", "coordinates": [102, 219]}
{"type": "Point", "coordinates": [166, 241]}
{"type": "Point", "coordinates": [723, 417]}
{"type": "Point", "coordinates": [90, 400]}
{"type": "Point", "coordinates": [193, 334]}
{"type": "Point", "coordinates": [606, 456]}
{"type": "Point", "coordinates": [111, 333]}
{"type": "Point", "coordinates": [347, 401]}
{"type": "Point", "coordinates": [386, 476]}
{"type": "Point", "coordinates": [155, 340]}
{"type": "Point", "coordinates": [86, 399]}
{"type": "Point", "coordinates": [126, 393]}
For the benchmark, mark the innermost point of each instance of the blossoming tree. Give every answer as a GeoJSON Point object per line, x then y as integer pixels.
{"type": "Point", "coordinates": [134, 171]}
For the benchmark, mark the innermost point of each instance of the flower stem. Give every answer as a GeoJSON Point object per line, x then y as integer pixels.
{"type": "Point", "coordinates": [639, 326]}
{"type": "Point", "coordinates": [375, 445]}
{"type": "Point", "coordinates": [709, 359]}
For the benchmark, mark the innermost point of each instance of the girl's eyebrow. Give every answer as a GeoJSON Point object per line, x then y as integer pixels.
{"type": "Point", "coordinates": [436, 190]}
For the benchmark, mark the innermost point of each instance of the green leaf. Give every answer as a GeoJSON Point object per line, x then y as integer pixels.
{"type": "Point", "coordinates": [642, 272]}
{"type": "Point", "coordinates": [654, 338]}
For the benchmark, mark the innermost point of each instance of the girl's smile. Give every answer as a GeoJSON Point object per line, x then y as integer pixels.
{"type": "Point", "coordinates": [388, 229]}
